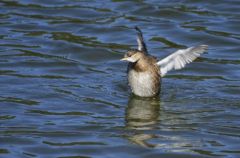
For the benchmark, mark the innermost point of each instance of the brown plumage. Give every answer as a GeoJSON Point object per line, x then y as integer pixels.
{"type": "Point", "coordinates": [145, 72]}
{"type": "Point", "coordinates": [143, 75]}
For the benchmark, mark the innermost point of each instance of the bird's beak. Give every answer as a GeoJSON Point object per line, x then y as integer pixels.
{"type": "Point", "coordinates": [124, 59]}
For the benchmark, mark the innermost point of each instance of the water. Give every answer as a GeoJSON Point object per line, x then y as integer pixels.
{"type": "Point", "coordinates": [63, 90]}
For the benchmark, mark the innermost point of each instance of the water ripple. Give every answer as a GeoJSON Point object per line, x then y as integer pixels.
{"type": "Point", "coordinates": [64, 92]}
{"type": "Point", "coordinates": [18, 100]}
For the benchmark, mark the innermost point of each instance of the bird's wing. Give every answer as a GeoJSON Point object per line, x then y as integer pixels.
{"type": "Point", "coordinates": [141, 44]}
{"type": "Point", "coordinates": [180, 58]}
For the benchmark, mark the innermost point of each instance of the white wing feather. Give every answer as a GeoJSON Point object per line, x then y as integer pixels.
{"type": "Point", "coordinates": [180, 58]}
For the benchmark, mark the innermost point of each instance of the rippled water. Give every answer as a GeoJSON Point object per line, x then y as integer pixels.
{"type": "Point", "coordinates": [64, 91]}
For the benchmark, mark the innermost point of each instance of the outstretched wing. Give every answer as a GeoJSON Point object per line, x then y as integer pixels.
{"type": "Point", "coordinates": [180, 58]}
{"type": "Point", "coordinates": [141, 44]}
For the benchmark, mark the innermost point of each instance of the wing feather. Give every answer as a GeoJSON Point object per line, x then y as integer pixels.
{"type": "Point", "coordinates": [180, 58]}
{"type": "Point", "coordinates": [141, 44]}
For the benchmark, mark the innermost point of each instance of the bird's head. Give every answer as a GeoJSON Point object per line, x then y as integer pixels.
{"type": "Point", "coordinates": [133, 56]}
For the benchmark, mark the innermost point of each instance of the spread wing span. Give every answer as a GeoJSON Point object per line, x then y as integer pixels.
{"type": "Point", "coordinates": [180, 58]}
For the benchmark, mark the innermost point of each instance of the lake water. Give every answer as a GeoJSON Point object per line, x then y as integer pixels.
{"type": "Point", "coordinates": [64, 93]}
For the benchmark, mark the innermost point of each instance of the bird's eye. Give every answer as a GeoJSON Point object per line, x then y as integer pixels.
{"type": "Point", "coordinates": [128, 54]}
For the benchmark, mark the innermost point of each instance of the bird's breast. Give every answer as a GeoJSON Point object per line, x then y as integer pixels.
{"type": "Point", "coordinates": [145, 84]}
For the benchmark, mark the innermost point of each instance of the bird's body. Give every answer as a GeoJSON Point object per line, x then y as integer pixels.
{"type": "Point", "coordinates": [144, 76]}
{"type": "Point", "coordinates": [145, 72]}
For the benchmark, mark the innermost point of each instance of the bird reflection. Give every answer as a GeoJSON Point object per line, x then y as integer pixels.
{"type": "Point", "coordinates": [142, 115]}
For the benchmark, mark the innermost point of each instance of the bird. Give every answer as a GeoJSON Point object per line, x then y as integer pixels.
{"type": "Point", "coordinates": [144, 71]}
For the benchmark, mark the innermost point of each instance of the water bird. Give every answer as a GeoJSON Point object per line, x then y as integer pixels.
{"type": "Point", "coordinates": [144, 71]}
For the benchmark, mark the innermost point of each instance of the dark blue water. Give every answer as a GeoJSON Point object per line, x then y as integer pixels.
{"type": "Point", "coordinates": [64, 93]}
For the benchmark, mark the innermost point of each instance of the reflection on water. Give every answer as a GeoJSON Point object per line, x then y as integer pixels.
{"type": "Point", "coordinates": [142, 114]}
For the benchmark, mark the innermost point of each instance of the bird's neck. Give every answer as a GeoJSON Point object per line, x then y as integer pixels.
{"type": "Point", "coordinates": [141, 65]}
